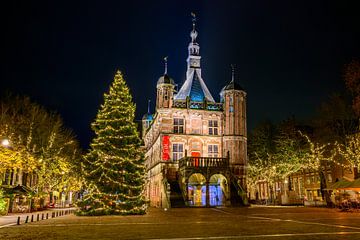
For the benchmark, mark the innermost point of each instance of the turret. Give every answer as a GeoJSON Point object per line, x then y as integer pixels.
{"type": "Point", "coordinates": [233, 97]}
{"type": "Point", "coordinates": [146, 120]}
{"type": "Point", "coordinates": [165, 90]}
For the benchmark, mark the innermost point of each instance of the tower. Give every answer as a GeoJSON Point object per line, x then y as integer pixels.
{"type": "Point", "coordinates": [235, 133]}
{"type": "Point", "coordinates": [165, 90]}
{"type": "Point", "coordinates": [194, 88]}
{"type": "Point", "coordinates": [146, 120]}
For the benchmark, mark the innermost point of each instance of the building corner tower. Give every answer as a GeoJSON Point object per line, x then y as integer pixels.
{"type": "Point", "coordinates": [233, 97]}
{"type": "Point", "coordinates": [165, 90]}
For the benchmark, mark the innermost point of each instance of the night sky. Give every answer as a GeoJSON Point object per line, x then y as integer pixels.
{"type": "Point", "coordinates": [289, 55]}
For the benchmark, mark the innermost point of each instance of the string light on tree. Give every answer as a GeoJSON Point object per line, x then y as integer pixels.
{"type": "Point", "coordinates": [114, 168]}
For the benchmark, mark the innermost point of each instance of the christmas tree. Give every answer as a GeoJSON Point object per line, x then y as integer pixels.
{"type": "Point", "coordinates": [114, 167]}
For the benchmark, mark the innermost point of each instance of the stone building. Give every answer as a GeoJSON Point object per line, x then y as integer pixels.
{"type": "Point", "coordinates": [196, 147]}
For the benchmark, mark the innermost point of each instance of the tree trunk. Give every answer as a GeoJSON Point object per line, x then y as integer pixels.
{"type": "Point", "coordinates": [324, 193]}
{"type": "Point", "coordinates": [356, 173]}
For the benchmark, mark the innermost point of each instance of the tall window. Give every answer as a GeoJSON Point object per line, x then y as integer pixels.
{"type": "Point", "coordinates": [166, 95]}
{"type": "Point", "coordinates": [213, 150]}
{"type": "Point", "coordinates": [231, 108]}
{"type": "Point", "coordinates": [178, 151]}
{"type": "Point", "coordinates": [213, 127]}
{"type": "Point", "coordinates": [178, 125]}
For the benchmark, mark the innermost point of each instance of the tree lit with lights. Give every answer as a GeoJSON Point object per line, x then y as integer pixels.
{"type": "Point", "coordinates": [114, 167]}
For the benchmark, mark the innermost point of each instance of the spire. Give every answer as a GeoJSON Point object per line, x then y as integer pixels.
{"type": "Point", "coordinates": [233, 84]}
{"type": "Point", "coordinates": [232, 72]}
{"type": "Point", "coordinates": [194, 48]}
{"type": "Point", "coordinates": [194, 86]}
{"type": "Point", "coordinates": [193, 33]}
{"type": "Point", "coordinates": [165, 64]}
{"type": "Point", "coordinates": [149, 101]}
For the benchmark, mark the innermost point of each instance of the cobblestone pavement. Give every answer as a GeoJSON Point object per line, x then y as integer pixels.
{"type": "Point", "coordinates": [12, 218]}
{"type": "Point", "coordinates": [199, 223]}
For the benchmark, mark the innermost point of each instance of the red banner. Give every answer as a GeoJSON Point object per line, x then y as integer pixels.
{"type": "Point", "coordinates": [166, 148]}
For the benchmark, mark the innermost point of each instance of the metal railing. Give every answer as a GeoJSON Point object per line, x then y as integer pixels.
{"type": "Point", "coordinates": [197, 105]}
{"type": "Point", "coordinates": [204, 162]}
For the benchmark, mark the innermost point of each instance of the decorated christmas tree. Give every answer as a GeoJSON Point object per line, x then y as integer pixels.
{"type": "Point", "coordinates": [114, 167]}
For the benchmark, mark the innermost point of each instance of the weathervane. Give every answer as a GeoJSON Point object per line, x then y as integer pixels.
{"type": "Point", "coordinates": [165, 63]}
{"type": "Point", "coordinates": [232, 72]}
{"type": "Point", "coordinates": [149, 106]}
{"type": "Point", "coordinates": [193, 19]}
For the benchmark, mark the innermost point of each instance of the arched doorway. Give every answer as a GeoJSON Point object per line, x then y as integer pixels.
{"type": "Point", "coordinates": [197, 190]}
{"type": "Point", "coordinates": [218, 190]}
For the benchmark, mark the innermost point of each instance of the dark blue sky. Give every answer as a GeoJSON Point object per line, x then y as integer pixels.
{"type": "Point", "coordinates": [289, 54]}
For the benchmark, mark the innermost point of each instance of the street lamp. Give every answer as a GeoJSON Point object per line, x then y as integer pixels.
{"type": "Point", "coordinates": [5, 142]}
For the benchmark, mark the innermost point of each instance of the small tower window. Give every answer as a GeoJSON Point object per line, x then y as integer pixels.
{"type": "Point", "coordinates": [213, 127]}
{"type": "Point", "coordinates": [231, 107]}
{"type": "Point", "coordinates": [166, 95]}
{"type": "Point", "coordinates": [178, 125]}
{"type": "Point", "coordinates": [178, 151]}
{"type": "Point", "coordinates": [213, 150]}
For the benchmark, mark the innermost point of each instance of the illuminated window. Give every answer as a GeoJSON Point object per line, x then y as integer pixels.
{"type": "Point", "coordinates": [178, 151]}
{"type": "Point", "coordinates": [178, 125]}
{"type": "Point", "coordinates": [231, 108]}
{"type": "Point", "coordinates": [213, 127]}
{"type": "Point", "coordinates": [213, 150]}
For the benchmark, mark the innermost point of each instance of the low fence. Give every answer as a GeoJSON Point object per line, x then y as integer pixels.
{"type": "Point", "coordinates": [43, 216]}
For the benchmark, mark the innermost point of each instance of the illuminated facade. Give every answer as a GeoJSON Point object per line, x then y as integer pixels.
{"type": "Point", "coordinates": [195, 147]}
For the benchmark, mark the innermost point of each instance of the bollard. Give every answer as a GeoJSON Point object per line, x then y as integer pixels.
{"type": "Point", "coordinates": [52, 214]}
{"type": "Point", "coordinates": [27, 219]}
{"type": "Point", "coordinates": [37, 217]}
{"type": "Point", "coordinates": [18, 221]}
{"type": "Point", "coordinates": [32, 218]}
{"type": "Point", "coordinates": [47, 215]}
{"type": "Point", "coordinates": [42, 216]}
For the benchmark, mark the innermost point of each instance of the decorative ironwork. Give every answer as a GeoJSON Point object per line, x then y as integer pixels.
{"type": "Point", "coordinates": [180, 104]}
{"type": "Point", "coordinates": [203, 162]}
{"type": "Point", "coordinates": [198, 105]}
{"type": "Point", "coordinates": [215, 106]}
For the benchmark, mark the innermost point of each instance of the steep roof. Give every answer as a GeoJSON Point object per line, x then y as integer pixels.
{"type": "Point", "coordinates": [165, 79]}
{"type": "Point", "coordinates": [233, 85]}
{"type": "Point", "coordinates": [194, 87]}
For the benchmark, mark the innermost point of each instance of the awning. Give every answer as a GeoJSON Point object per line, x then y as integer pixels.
{"type": "Point", "coordinates": [341, 184]}
{"type": "Point", "coordinates": [354, 185]}
{"type": "Point", "coordinates": [18, 190]}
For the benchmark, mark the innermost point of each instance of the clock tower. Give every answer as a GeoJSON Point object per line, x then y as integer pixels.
{"type": "Point", "coordinates": [194, 49]}
{"type": "Point", "coordinates": [194, 87]}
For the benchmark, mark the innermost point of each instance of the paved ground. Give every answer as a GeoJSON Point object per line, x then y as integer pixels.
{"type": "Point", "coordinates": [12, 218]}
{"type": "Point", "coordinates": [199, 223]}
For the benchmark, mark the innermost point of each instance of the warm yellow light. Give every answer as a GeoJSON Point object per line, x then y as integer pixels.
{"type": "Point", "coordinates": [5, 142]}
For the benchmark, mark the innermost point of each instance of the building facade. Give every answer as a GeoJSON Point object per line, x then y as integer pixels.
{"type": "Point", "coordinates": [196, 148]}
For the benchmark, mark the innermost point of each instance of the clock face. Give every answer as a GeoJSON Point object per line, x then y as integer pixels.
{"type": "Point", "coordinates": [195, 63]}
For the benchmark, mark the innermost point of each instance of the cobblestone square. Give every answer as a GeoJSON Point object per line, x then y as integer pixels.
{"type": "Point", "coordinates": [199, 223]}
